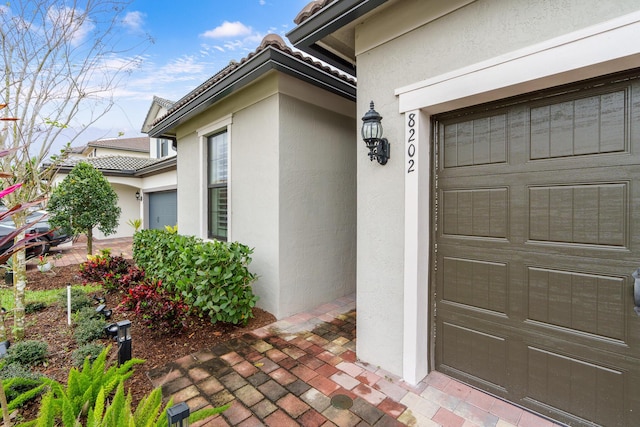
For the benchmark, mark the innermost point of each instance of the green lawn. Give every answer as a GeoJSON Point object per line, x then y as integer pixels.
{"type": "Point", "coordinates": [47, 297]}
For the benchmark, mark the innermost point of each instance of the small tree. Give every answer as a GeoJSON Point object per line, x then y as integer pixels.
{"type": "Point", "coordinates": [84, 200]}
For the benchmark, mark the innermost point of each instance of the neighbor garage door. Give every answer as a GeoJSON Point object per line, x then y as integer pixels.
{"type": "Point", "coordinates": [163, 209]}
{"type": "Point", "coordinates": [538, 233]}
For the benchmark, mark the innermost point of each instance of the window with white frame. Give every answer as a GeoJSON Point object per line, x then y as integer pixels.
{"type": "Point", "coordinates": [217, 185]}
{"type": "Point", "coordinates": [162, 148]}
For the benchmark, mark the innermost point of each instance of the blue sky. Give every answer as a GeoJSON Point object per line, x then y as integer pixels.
{"type": "Point", "coordinates": [193, 39]}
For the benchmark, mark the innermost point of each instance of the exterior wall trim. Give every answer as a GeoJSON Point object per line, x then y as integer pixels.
{"type": "Point", "coordinates": [598, 50]}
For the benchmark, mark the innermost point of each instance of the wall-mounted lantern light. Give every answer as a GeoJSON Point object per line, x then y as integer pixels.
{"type": "Point", "coordinates": [124, 341]}
{"type": "Point", "coordinates": [372, 135]}
{"type": "Point", "coordinates": [138, 196]}
{"type": "Point", "coordinates": [178, 415]}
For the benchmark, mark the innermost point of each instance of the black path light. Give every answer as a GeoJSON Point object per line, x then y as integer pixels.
{"type": "Point", "coordinates": [372, 135]}
{"type": "Point", "coordinates": [178, 415]}
{"type": "Point", "coordinates": [124, 341]}
{"type": "Point", "coordinates": [106, 312]}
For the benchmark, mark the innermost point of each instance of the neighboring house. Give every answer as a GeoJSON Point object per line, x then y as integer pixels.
{"type": "Point", "coordinates": [159, 147]}
{"type": "Point", "coordinates": [145, 186]}
{"type": "Point", "coordinates": [160, 200]}
{"type": "Point", "coordinates": [131, 147]}
{"type": "Point", "coordinates": [497, 243]}
{"type": "Point", "coordinates": [266, 157]}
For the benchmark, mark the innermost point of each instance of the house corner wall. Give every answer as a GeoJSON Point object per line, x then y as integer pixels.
{"type": "Point", "coordinates": [317, 187]}
{"type": "Point", "coordinates": [254, 195]}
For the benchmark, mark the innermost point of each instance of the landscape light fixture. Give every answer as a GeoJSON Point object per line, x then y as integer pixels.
{"type": "Point", "coordinates": [372, 135]}
{"type": "Point", "coordinates": [138, 196]}
{"type": "Point", "coordinates": [102, 309]}
{"type": "Point", "coordinates": [178, 415]}
{"type": "Point", "coordinates": [124, 341]}
{"type": "Point", "coordinates": [111, 330]}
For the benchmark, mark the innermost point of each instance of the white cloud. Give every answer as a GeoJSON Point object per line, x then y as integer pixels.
{"type": "Point", "coordinates": [262, 2]}
{"type": "Point", "coordinates": [134, 20]}
{"type": "Point", "coordinates": [76, 21]}
{"type": "Point", "coordinates": [228, 29]}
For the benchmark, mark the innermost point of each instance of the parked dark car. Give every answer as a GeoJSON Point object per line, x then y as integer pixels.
{"type": "Point", "coordinates": [51, 236]}
{"type": "Point", "coordinates": [32, 251]}
{"type": "Point", "coordinates": [55, 236]}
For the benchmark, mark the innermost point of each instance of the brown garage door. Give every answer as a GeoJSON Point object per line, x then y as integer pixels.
{"type": "Point", "coordinates": [538, 233]}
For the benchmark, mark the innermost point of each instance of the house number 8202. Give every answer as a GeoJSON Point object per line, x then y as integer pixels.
{"type": "Point", "coordinates": [411, 146]}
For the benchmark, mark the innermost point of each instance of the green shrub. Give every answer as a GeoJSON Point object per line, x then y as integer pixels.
{"type": "Point", "coordinates": [86, 313]}
{"type": "Point", "coordinates": [212, 277]}
{"type": "Point", "coordinates": [89, 330]}
{"type": "Point", "coordinates": [91, 351]}
{"type": "Point", "coordinates": [16, 370]}
{"type": "Point", "coordinates": [27, 353]}
{"type": "Point", "coordinates": [34, 307]}
{"type": "Point", "coordinates": [79, 299]}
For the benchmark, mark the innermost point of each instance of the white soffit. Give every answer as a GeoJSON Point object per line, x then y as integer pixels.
{"type": "Point", "coordinates": [601, 49]}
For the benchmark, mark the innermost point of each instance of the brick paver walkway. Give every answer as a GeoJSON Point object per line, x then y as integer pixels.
{"type": "Point", "coordinates": [76, 252]}
{"type": "Point", "coordinates": [287, 373]}
{"type": "Point", "coordinates": [290, 372]}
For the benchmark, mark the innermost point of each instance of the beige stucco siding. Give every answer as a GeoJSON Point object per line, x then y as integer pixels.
{"type": "Point", "coordinates": [389, 58]}
{"type": "Point", "coordinates": [317, 205]}
{"type": "Point", "coordinates": [190, 196]}
{"type": "Point", "coordinates": [291, 188]}
{"type": "Point", "coordinates": [254, 193]}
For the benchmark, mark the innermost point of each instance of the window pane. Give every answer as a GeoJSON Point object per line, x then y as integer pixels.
{"type": "Point", "coordinates": [218, 212]}
{"type": "Point", "coordinates": [217, 153]}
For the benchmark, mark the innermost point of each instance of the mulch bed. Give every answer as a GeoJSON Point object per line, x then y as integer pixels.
{"type": "Point", "coordinates": [156, 347]}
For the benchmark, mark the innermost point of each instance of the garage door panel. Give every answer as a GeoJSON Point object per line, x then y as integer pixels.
{"type": "Point", "coordinates": [577, 387]}
{"type": "Point", "coordinates": [476, 142]}
{"type": "Point", "coordinates": [580, 302]}
{"type": "Point", "coordinates": [535, 250]}
{"type": "Point", "coordinates": [590, 125]}
{"type": "Point", "coordinates": [595, 214]}
{"type": "Point", "coordinates": [479, 212]}
{"type": "Point", "coordinates": [475, 352]}
{"type": "Point", "coordinates": [476, 283]}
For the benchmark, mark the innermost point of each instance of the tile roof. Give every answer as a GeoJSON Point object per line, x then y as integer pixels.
{"type": "Point", "coordinates": [77, 150]}
{"type": "Point", "coordinates": [270, 40]}
{"type": "Point", "coordinates": [163, 102]}
{"type": "Point", "coordinates": [309, 10]}
{"type": "Point", "coordinates": [130, 144]}
{"type": "Point", "coordinates": [113, 163]}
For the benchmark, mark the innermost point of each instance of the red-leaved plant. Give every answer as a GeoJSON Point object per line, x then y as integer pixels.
{"type": "Point", "coordinates": [104, 268]}
{"type": "Point", "coordinates": [155, 306]}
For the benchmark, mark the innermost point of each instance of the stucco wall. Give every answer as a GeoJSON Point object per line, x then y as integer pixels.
{"type": "Point", "coordinates": [254, 194]}
{"type": "Point", "coordinates": [292, 188]}
{"type": "Point", "coordinates": [317, 205]}
{"type": "Point", "coordinates": [188, 173]}
{"type": "Point", "coordinates": [130, 210]}
{"type": "Point", "coordinates": [387, 60]}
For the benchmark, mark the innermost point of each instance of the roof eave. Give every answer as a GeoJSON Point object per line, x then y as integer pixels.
{"type": "Point", "coordinates": [162, 166]}
{"type": "Point", "coordinates": [325, 22]}
{"type": "Point", "coordinates": [266, 60]}
{"type": "Point", "coordinates": [106, 172]}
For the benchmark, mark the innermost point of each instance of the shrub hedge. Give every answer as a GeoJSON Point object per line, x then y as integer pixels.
{"type": "Point", "coordinates": [211, 276]}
